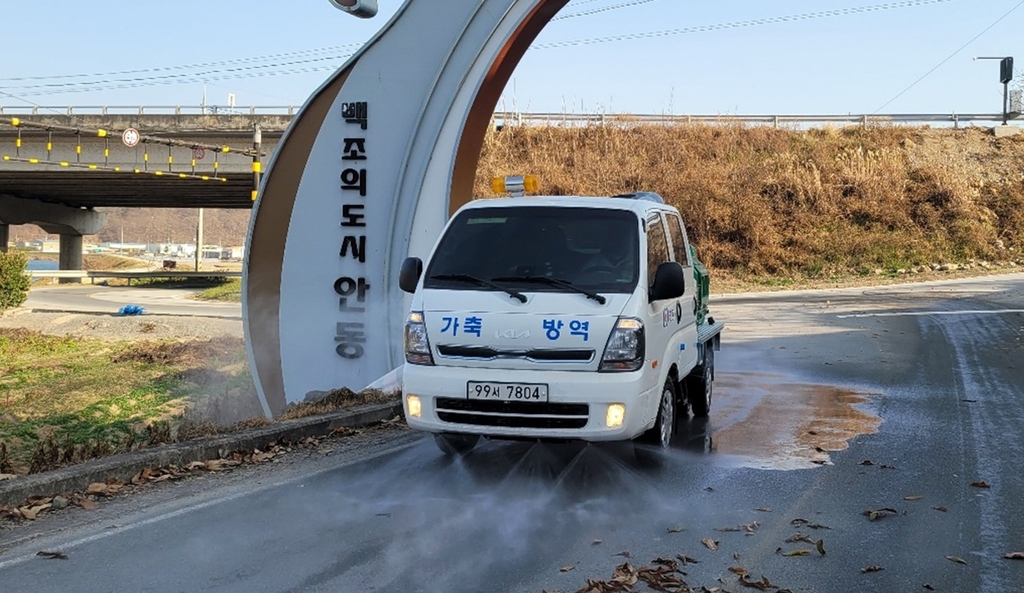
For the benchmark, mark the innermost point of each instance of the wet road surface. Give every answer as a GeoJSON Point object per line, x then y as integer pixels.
{"type": "Point", "coordinates": [827, 404]}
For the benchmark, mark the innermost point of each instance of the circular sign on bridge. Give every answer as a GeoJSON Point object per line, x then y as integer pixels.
{"type": "Point", "coordinates": [199, 153]}
{"type": "Point", "coordinates": [131, 137]}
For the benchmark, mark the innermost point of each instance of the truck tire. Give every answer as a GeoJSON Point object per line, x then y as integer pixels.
{"type": "Point", "coordinates": [664, 430]}
{"type": "Point", "coordinates": [456, 444]}
{"type": "Point", "coordinates": [700, 383]}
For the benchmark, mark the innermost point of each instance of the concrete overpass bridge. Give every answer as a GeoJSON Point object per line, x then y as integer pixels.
{"type": "Point", "coordinates": [58, 166]}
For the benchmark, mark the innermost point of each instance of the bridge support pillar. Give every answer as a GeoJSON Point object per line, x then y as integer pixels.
{"type": "Point", "coordinates": [70, 223]}
{"type": "Point", "coordinates": [5, 236]}
{"type": "Point", "coordinates": [70, 254]}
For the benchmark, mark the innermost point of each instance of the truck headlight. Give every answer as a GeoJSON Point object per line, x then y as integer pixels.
{"type": "Point", "coordinates": [417, 347]}
{"type": "Point", "coordinates": [625, 349]}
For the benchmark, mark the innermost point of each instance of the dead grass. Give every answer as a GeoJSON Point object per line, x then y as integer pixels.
{"type": "Point", "coordinates": [822, 204]}
{"type": "Point", "coordinates": [66, 399]}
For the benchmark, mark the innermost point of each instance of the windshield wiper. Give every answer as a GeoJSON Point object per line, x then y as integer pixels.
{"type": "Point", "coordinates": [554, 282]}
{"type": "Point", "coordinates": [480, 282]}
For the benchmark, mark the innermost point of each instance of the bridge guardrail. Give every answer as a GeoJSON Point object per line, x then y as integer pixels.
{"type": "Point", "coordinates": [289, 110]}
{"type": "Point", "coordinates": [518, 118]}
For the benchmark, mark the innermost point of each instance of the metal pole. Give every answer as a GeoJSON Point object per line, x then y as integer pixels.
{"type": "Point", "coordinates": [1006, 102]}
{"type": "Point", "coordinates": [257, 166]}
{"type": "Point", "coordinates": [199, 242]}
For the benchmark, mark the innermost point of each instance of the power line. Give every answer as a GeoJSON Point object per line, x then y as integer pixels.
{"type": "Point", "coordinates": [103, 79]}
{"type": "Point", "coordinates": [950, 56]}
{"type": "Point", "coordinates": [299, 65]}
{"type": "Point", "coordinates": [741, 24]}
{"type": "Point", "coordinates": [602, 9]}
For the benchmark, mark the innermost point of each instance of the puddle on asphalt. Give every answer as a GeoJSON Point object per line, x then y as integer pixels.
{"type": "Point", "coordinates": [769, 423]}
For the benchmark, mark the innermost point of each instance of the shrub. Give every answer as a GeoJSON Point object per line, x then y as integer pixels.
{"type": "Point", "coordinates": [14, 282]}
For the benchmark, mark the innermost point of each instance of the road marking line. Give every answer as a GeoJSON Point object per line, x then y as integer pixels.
{"type": "Point", "coordinates": [105, 533]}
{"type": "Point", "coordinates": [925, 313]}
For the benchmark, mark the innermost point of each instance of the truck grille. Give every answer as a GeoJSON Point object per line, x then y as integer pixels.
{"type": "Point", "coordinates": [537, 355]}
{"type": "Point", "coordinates": [512, 414]}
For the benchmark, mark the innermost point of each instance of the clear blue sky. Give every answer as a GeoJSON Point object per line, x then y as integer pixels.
{"type": "Point", "coordinates": [849, 63]}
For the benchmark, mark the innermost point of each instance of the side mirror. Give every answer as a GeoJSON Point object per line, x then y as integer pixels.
{"type": "Point", "coordinates": [409, 275]}
{"type": "Point", "coordinates": [669, 282]}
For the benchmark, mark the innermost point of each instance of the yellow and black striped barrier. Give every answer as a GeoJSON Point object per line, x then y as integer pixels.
{"type": "Point", "coordinates": [93, 167]}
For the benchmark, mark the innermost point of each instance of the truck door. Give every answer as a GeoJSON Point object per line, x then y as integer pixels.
{"type": "Point", "coordinates": [685, 338]}
{"type": "Point", "coordinates": [661, 315]}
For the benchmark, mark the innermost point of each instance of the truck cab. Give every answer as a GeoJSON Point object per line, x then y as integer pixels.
{"type": "Point", "coordinates": [562, 318]}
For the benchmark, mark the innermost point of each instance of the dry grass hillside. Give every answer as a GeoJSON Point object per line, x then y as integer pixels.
{"type": "Point", "coordinates": [815, 204]}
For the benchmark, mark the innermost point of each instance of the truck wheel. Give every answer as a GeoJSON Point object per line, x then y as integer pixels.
{"type": "Point", "coordinates": [700, 384]}
{"type": "Point", "coordinates": [664, 430]}
{"type": "Point", "coordinates": [456, 444]}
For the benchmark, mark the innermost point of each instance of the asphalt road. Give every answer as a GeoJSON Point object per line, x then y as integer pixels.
{"type": "Point", "coordinates": [89, 298]}
{"type": "Point", "coordinates": [925, 382]}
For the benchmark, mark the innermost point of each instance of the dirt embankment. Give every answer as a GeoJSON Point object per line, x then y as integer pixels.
{"type": "Point", "coordinates": [805, 204]}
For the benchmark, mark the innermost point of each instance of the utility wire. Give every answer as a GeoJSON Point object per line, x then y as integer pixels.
{"type": "Point", "coordinates": [741, 24]}
{"type": "Point", "coordinates": [950, 56]}
{"type": "Point", "coordinates": [593, 11]}
{"type": "Point", "coordinates": [299, 65]}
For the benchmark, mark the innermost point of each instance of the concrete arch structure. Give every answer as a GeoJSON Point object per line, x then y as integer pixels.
{"type": "Point", "coordinates": [367, 174]}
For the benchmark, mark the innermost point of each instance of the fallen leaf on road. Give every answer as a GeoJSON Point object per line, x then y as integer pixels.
{"type": "Point", "coordinates": [817, 526]}
{"type": "Point", "coordinates": [798, 522]}
{"type": "Point", "coordinates": [596, 542]}
{"type": "Point", "coordinates": [86, 504]}
{"type": "Point", "coordinates": [875, 514]}
{"type": "Point", "coordinates": [913, 497]}
{"type": "Point", "coordinates": [763, 585]}
{"type": "Point", "coordinates": [799, 537]}
{"type": "Point", "coordinates": [884, 466]}
{"type": "Point", "coordinates": [31, 513]}
{"type": "Point", "coordinates": [797, 552]}
{"type": "Point", "coordinates": [763, 509]}
{"type": "Point", "coordinates": [711, 544]}
{"type": "Point", "coordinates": [872, 568]}
{"type": "Point", "coordinates": [738, 570]}
{"type": "Point", "coordinates": [867, 462]}
{"type": "Point", "coordinates": [941, 509]}
{"type": "Point", "coordinates": [566, 568]}
{"type": "Point", "coordinates": [729, 529]}
{"type": "Point", "coordinates": [686, 559]}
{"type": "Point", "coordinates": [956, 559]}
{"type": "Point", "coordinates": [10, 512]}
{"type": "Point", "coordinates": [1014, 556]}
{"type": "Point", "coordinates": [624, 554]}
{"type": "Point", "coordinates": [820, 546]}
{"type": "Point", "coordinates": [980, 484]}
{"type": "Point", "coordinates": [216, 465]}
{"type": "Point", "coordinates": [97, 488]}
{"type": "Point", "coordinates": [928, 586]}
{"type": "Point", "coordinates": [52, 554]}
{"type": "Point", "coordinates": [675, 529]}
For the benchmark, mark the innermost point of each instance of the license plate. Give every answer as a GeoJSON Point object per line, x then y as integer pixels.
{"type": "Point", "coordinates": [523, 392]}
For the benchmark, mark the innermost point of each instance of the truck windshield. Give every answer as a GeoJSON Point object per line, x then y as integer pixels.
{"type": "Point", "coordinates": [587, 248]}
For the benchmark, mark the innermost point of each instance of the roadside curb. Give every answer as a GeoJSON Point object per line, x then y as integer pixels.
{"type": "Point", "coordinates": [126, 465]}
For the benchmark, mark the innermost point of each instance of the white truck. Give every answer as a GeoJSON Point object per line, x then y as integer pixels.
{"type": "Point", "coordinates": [558, 318]}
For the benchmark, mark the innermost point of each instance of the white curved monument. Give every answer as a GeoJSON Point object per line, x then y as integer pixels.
{"type": "Point", "coordinates": [367, 174]}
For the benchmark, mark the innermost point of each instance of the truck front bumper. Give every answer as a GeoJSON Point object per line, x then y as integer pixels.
{"type": "Point", "coordinates": [577, 406]}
